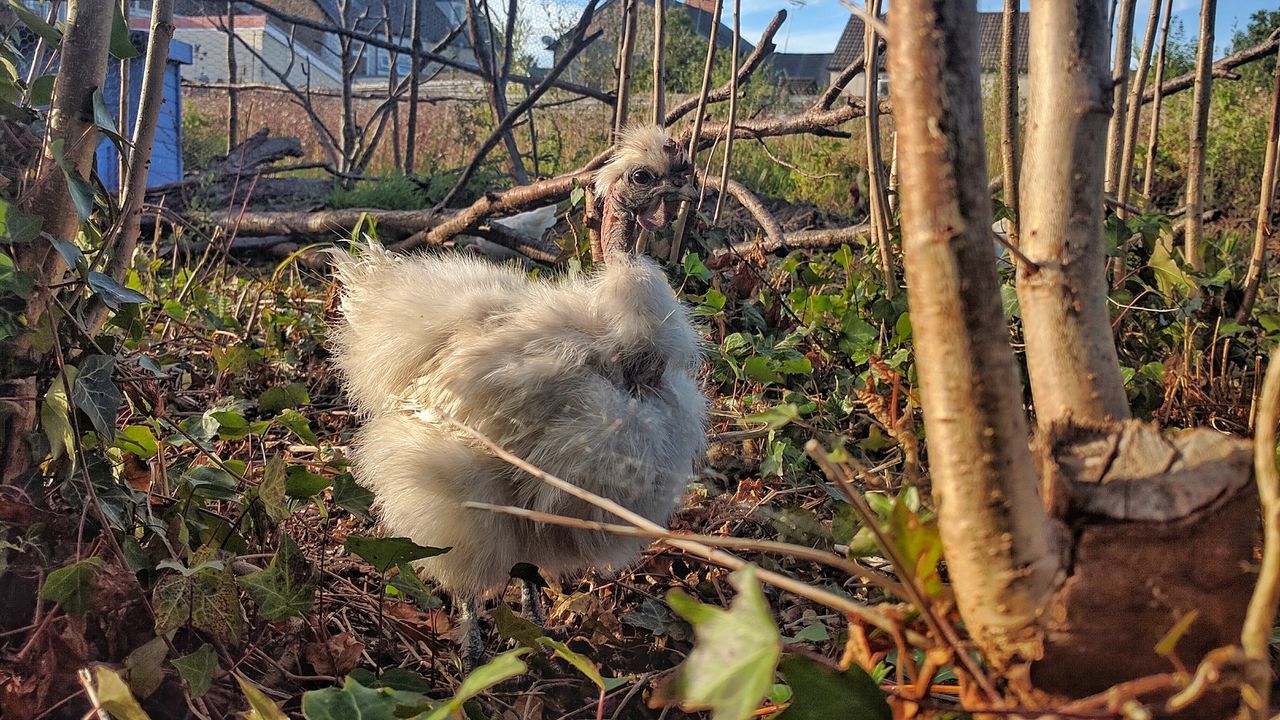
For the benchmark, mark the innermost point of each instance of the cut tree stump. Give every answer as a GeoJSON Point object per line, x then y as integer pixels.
{"type": "Point", "coordinates": [1156, 526]}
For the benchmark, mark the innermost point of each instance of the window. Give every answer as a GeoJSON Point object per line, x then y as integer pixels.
{"type": "Point", "coordinates": [403, 64]}
{"type": "Point", "coordinates": [381, 62]}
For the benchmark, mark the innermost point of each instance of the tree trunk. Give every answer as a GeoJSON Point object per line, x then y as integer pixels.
{"type": "Point", "coordinates": [497, 90]}
{"type": "Point", "coordinates": [1199, 131]}
{"type": "Point", "coordinates": [120, 255]}
{"type": "Point", "coordinates": [415, 72]}
{"type": "Point", "coordinates": [626, 54]}
{"type": "Point", "coordinates": [233, 78]}
{"type": "Point", "coordinates": [1157, 100]}
{"type": "Point", "coordinates": [1266, 207]}
{"type": "Point", "coordinates": [877, 203]}
{"type": "Point", "coordinates": [1070, 354]}
{"type": "Point", "coordinates": [659, 66]}
{"type": "Point", "coordinates": [1125, 180]}
{"type": "Point", "coordinates": [998, 540]}
{"type": "Point", "coordinates": [733, 111]}
{"type": "Point", "coordinates": [1120, 76]}
{"type": "Point", "coordinates": [84, 47]}
{"type": "Point", "coordinates": [1009, 113]}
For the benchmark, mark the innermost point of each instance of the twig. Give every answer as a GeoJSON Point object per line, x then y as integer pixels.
{"type": "Point", "coordinates": [768, 223]}
{"type": "Point", "coordinates": [688, 208]}
{"type": "Point", "coordinates": [733, 111]}
{"type": "Point", "coordinates": [818, 595]}
{"type": "Point", "coordinates": [1260, 618]}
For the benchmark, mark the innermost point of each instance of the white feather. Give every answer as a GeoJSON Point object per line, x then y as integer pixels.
{"type": "Point", "coordinates": [532, 223]}
{"type": "Point", "coordinates": [534, 365]}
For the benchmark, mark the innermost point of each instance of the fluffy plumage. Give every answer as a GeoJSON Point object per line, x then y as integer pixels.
{"type": "Point", "coordinates": [589, 378]}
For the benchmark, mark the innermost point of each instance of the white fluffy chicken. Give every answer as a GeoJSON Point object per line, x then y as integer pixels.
{"type": "Point", "coordinates": [589, 378]}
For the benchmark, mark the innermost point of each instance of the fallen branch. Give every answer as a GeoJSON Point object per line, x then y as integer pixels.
{"type": "Point", "coordinates": [1221, 69]}
{"type": "Point", "coordinates": [800, 240]}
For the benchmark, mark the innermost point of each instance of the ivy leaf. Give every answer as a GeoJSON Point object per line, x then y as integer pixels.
{"type": "Point", "coordinates": [206, 598]}
{"type": "Point", "coordinates": [121, 47]}
{"type": "Point", "coordinates": [354, 700]}
{"type": "Point", "coordinates": [407, 583]}
{"type": "Point", "coordinates": [350, 496]}
{"type": "Point", "coordinates": [272, 489]}
{"type": "Point", "coordinates": [283, 397]}
{"type": "Point", "coordinates": [730, 669]}
{"type": "Point", "coordinates": [198, 669]}
{"type": "Point", "coordinates": [105, 119]}
{"type": "Point", "coordinates": [114, 696]}
{"type": "Point", "coordinates": [503, 667]}
{"type": "Point", "coordinates": [261, 707]}
{"type": "Point", "coordinates": [819, 692]}
{"type": "Point", "coordinates": [385, 553]}
{"type": "Point", "coordinates": [302, 484]}
{"type": "Point", "coordinates": [287, 587]}
{"type": "Point", "coordinates": [17, 226]}
{"type": "Point", "coordinates": [40, 92]}
{"type": "Point", "coordinates": [72, 586]}
{"type": "Point", "coordinates": [299, 425]}
{"type": "Point", "coordinates": [145, 667]}
{"type": "Point", "coordinates": [775, 417]}
{"type": "Point", "coordinates": [919, 542]}
{"type": "Point", "coordinates": [139, 440]}
{"type": "Point", "coordinates": [12, 280]}
{"type": "Point", "coordinates": [760, 369]}
{"type": "Point", "coordinates": [114, 294]}
{"type": "Point", "coordinates": [55, 415]}
{"type": "Point", "coordinates": [96, 395]}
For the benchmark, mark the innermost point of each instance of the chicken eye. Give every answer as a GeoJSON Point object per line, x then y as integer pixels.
{"type": "Point", "coordinates": [642, 177]}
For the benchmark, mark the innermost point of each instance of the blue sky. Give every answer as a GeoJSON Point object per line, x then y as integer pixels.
{"type": "Point", "coordinates": [813, 26]}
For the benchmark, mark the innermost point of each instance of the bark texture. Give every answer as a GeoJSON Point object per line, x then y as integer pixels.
{"type": "Point", "coordinates": [999, 546]}
{"type": "Point", "coordinates": [1120, 77]}
{"type": "Point", "coordinates": [1071, 357]}
{"type": "Point", "coordinates": [1008, 114]}
{"type": "Point", "coordinates": [1134, 113]}
{"type": "Point", "coordinates": [1157, 100]}
{"type": "Point", "coordinates": [1266, 208]}
{"type": "Point", "coordinates": [1194, 237]}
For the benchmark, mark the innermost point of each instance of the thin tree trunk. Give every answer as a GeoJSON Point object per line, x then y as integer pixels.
{"type": "Point", "coordinates": [1009, 113]}
{"type": "Point", "coordinates": [1194, 237]}
{"type": "Point", "coordinates": [1070, 354]}
{"type": "Point", "coordinates": [1157, 101]}
{"type": "Point", "coordinates": [687, 208]}
{"type": "Point", "coordinates": [122, 110]}
{"type": "Point", "coordinates": [659, 65]}
{"type": "Point", "coordinates": [415, 72]}
{"type": "Point", "coordinates": [875, 162]}
{"type": "Point", "coordinates": [134, 184]}
{"type": "Point", "coordinates": [1266, 207]}
{"type": "Point", "coordinates": [393, 81]}
{"type": "Point", "coordinates": [233, 78]}
{"type": "Point", "coordinates": [1259, 623]}
{"type": "Point", "coordinates": [1125, 179]}
{"type": "Point", "coordinates": [893, 177]}
{"type": "Point", "coordinates": [626, 54]}
{"type": "Point", "coordinates": [995, 531]}
{"type": "Point", "coordinates": [1120, 76]}
{"type": "Point", "coordinates": [733, 110]}
{"type": "Point", "coordinates": [84, 47]}
{"type": "Point", "coordinates": [497, 91]}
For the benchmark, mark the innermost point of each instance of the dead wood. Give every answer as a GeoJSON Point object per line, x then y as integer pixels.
{"type": "Point", "coordinates": [1221, 69]}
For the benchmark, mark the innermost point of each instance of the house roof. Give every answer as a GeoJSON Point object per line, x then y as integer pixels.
{"type": "Point", "coordinates": [851, 46]}
{"type": "Point", "coordinates": [800, 66]}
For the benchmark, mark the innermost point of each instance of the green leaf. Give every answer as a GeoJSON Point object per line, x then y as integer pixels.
{"type": "Point", "coordinates": [302, 484]}
{"type": "Point", "coordinates": [261, 707]}
{"type": "Point", "coordinates": [80, 189]}
{"type": "Point", "coordinates": [580, 662]}
{"type": "Point", "coordinates": [819, 692]}
{"type": "Point", "coordinates": [145, 667]}
{"type": "Point", "coordinates": [207, 598]}
{"type": "Point", "coordinates": [298, 425]}
{"type": "Point", "coordinates": [272, 489]}
{"type": "Point", "coordinates": [287, 587]}
{"type": "Point", "coordinates": [17, 226]}
{"type": "Point", "coordinates": [816, 632]}
{"type": "Point", "coordinates": [40, 94]}
{"type": "Point", "coordinates": [407, 583]}
{"type": "Point", "coordinates": [114, 695]}
{"type": "Point", "coordinates": [104, 118]}
{"type": "Point", "coordinates": [198, 669]}
{"type": "Point", "coordinates": [775, 417]}
{"type": "Point", "coordinates": [919, 542]}
{"type": "Point", "coordinates": [385, 553]}
{"type": "Point", "coordinates": [12, 280]}
{"type": "Point", "coordinates": [283, 397]}
{"type": "Point", "coordinates": [350, 496]}
{"type": "Point", "coordinates": [354, 700]}
{"type": "Point", "coordinates": [97, 396]}
{"type": "Point", "coordinates": [121, 47]}
{"type": "Point", "coordinates": [72, 586]}
{"type": "Point", "coordinates": [114, 294]}
{"type": "Point", "coordinates": [760, 369]}
{"type": "Point", "coordinates": [730, 669]}
{"type": "Point", "coordinates": [502, 667]}
{"type": "Point", "coordinates": [137, 439]}
{"type": "Point", "coordinates": [55, 415]}
{"type": "Point", "coordinates": [36, 24]}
